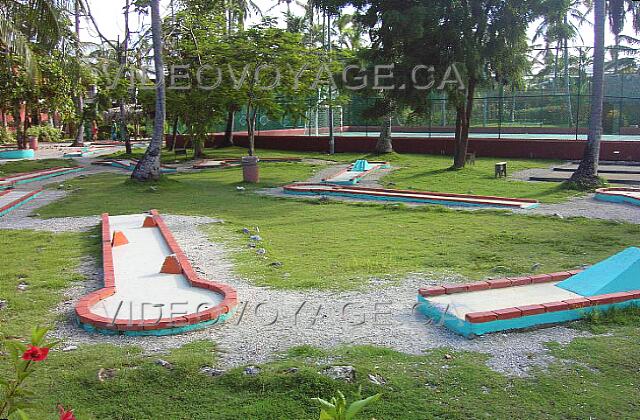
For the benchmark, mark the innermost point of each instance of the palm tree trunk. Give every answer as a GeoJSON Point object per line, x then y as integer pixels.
{"type": "Point", "coordinates": [148, 168]}
{"type": "Point", "coordinates": [124, 132]}
{"type": "Point", "coordinates": [79, 139]}
{"type": "Point", "coordinates": [384, 144]}
{"type": "Point", "coordinates": [587, 174]}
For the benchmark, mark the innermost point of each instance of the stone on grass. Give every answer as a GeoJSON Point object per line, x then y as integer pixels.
{"type": "Point", "coordinates": [256, 238]}
{"type": "Point", "coordinates": [377, 380]}
{"type": "Point", "coordinates": [261, 251]}
{"type": "Point", "coordinates": [70, 348]}
{"type": "Point", "coordinates": [252, 370]}
{"type": "Point", "coordinates": [210, 371]}
{"type": "Point", "coordinates": [246, 231]}
{"type": "Point", "coordinates": [340, 373]}
{"type": "Point", "coordinates": [22, 286]}
{"type": "Point", "coordinates": [276, 264]}
{"type": "Point", "coordinates": [106, 374]}
{"type": "Point", "coordinates": [292, 370]}
{"type": "Point", "coordinates": [164, 364]}
{"type": "Point", "coordinates": [3, 304]}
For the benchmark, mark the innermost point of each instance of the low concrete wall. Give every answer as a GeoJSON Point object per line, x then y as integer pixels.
{"type": "Point", "coordinates": [483, 147]}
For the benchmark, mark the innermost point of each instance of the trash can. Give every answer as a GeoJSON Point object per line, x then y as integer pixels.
{"type": "Point", "coordinates": [33, 143]}
{"type": "Point", "coordinates": [250, 171]}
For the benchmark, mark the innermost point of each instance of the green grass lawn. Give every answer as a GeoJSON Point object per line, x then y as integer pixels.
{"type": "Point", "coordinates": [593, 378]}
{"type": "Point", "coordinates": [431, 173]}
{"type": "Point", "coordinates": [33, 165]}
{"type": "Point", "coordinates": [341, 245]}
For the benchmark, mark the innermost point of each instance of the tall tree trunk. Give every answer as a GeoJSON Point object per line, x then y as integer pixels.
{"type": "Point", "coordinates": [123, 50]}
{"type": "Point", "coordinates": [463, 123]}
{"type": "Point", "coordinates": [17, 124]}
{"type": "Point", "coordinates": [228, 131]}
{"type": "Point", "coordinates": [567, 80]}
{"type": "Point", "coordinates": [384, 144]}
{"type": "Point", "coordinates": [174, 133]}
{"type": "Point", "coordinates": [79, 138]}
{"type": "Point", "coordinates": [587, 174]}
{"type": "Point", "coordinates": [148, 168]}
{"type": "Point", "coordinates": [252, 115]}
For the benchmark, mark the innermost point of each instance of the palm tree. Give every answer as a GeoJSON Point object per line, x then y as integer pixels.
{"type": "Point", "coordinates": [148, 168]}
{"type": "Point", "coordinates": [586, 176]}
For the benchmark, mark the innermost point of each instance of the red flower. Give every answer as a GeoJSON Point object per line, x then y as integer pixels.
{"type": "Point", "coordinates": [66, 415]}
{"type": "Point", "coordinates": [35, 354]}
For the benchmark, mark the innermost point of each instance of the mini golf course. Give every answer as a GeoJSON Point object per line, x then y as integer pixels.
{"type": "Point", "coordinates": [27, 177]}
{"type": "Point", "coordinates": [130, 165]}
{"type": "Point", "coordinates": [150, 288]}
{"type": "Point", "coordinates": [355, 172]}
{"type": "Point", "coordinates": [619, 195]}
{"type": "Point", "coordinates": [12, 199]}
{"type": "Point", "coordinates": [516, 303]}
{"type": "Point", "coordinates": [383, 194]}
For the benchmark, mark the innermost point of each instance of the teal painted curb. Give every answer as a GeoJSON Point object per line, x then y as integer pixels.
{"type": "Point", "coordinates": [17, 154]}
{"type": "Point", "coordinates": [617, 199]}
{"type": "Point", "coordinates": [159, 333]}
{"type": "Point", "coordinates": [470, 330]}
{"type": "Point", "coordinates": [22, 203]}
{"type": "Point", "coordinates": [405, 200]}
{"type": "Point", "coordinates": [47, 176]}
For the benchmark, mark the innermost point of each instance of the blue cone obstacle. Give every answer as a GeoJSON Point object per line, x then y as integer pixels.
{"type": "Point", "coordinates": [619, 273]}
{"type": "Point", "coordinates": [361, 166]}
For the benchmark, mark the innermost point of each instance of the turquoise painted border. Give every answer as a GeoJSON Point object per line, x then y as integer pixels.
{"type": "Point", "coordinates": [469, 330]}
{"type": "Point", "coordinates": [167, 331]}
{"type": "Point", "coordinates": [406, 200]}
{"type": "Point", "coordinates": [617, 199]}
{"type": "Point", "coordinates": [17, 154]}
{"type": "Point", "coordinates": [47, 176]}
{"type": "Point", "coordinates": [23, 202]}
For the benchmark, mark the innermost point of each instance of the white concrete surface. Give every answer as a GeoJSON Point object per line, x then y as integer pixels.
{"type": "Point", "coordinates": [460, 304]}
{"type": "Point", "coordinates": [142, 292]}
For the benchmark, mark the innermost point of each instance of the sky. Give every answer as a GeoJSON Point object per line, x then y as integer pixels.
{"type": "Point", "coordinates": [109, 17]}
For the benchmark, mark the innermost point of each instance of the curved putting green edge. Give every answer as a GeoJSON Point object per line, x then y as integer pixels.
{"type": "Point", "coordinates": [168, 331]}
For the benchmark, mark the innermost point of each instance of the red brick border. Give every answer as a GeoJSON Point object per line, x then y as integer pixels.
{"type": "Point", "coordinates": [496, 284]}
{"type": "Point", "coordinates": [19, 200]}
{"type": "Point", "coordinates": [462, 198]}
{"type": "Point", "coordinates": [83, 308]}
{"type": "Point", "coordinates": [38, 172]}
{"type": "Point", "coordinates": [565, 305]}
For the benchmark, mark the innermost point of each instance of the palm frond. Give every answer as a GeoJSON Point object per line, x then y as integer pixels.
{"type": "Point", "coordinates": [16, 43]}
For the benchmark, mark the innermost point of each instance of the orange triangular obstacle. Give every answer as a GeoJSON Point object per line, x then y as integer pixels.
{"type": "Point", "coordinates": [171, 265]}
{"type": "Point", "coordinates": [149, 221]}
{"type": "Point", "coordinates": [119, 239]}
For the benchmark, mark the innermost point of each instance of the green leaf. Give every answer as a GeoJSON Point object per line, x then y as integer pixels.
{"type": "Point", "coordinates": [37, 335]}
{"type": "Point", "coordinates": [22, 415]}
{"type": "Point", "coordinates": [325, 405]}
{"type": "Point", "coordinates": [326, 416]}
{"type": "Point", "coordinates": [358, 406]}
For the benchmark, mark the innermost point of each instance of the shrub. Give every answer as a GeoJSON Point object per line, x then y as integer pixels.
{"type": "Point", "coordinates": [6, 136]}
{"type": "Point", "coordinates": [45, 133]}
